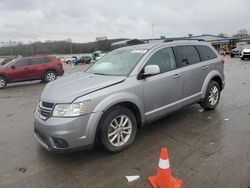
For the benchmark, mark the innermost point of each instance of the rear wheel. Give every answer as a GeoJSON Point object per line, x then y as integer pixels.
{"type": "Point", "coordinates": [212, 96]}
{"type": "Point", "coordinates": [49, 76]}
{"type": "Point", "coordinates": [3, 82]}
{"type": "Point", "coordinates": [117, 129]}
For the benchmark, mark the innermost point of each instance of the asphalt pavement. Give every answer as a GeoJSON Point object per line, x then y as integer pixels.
{"type": "Point", "coordinates": [206, 149]}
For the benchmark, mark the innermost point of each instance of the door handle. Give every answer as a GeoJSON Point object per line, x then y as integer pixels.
{"type": "Point", "coordinates": [177, 76]}
{"type": "Point", "coordinates": [204, 67]}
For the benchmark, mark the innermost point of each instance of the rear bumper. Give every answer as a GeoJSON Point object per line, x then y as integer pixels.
{"type": "Point", "coordinates": [60, 73]}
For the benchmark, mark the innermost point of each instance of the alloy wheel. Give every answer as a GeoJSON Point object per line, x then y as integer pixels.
{"type": "Point", "coordinates": [119, 130]}
{"type": "Point", "coordinates": [213, 95]}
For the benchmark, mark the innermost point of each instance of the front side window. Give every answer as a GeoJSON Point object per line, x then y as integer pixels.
{"type": "Point", "coordinates": [164, 58]}
{"type": "Point", "coordinates": [186, 55]}
{"type": "Point", "coordinates": [23, 62]}
{"type": "Point", "coordinates": [117, 63]}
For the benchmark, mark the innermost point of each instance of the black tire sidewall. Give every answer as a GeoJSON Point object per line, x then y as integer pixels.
{"type": "Point", "coordinates": [108, 116]}
{"type": "Point", "coordinates": [205, 103]}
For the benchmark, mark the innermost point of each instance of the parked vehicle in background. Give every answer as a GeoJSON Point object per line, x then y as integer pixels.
{"type": "Point", "coordinates": [70, 60]}
{"type": "Point", "coordinates": [124, 90]}
{"type": "Point", "coordinates": [245, 52]}
{"type": "Point", "coordinates": [46, 68]}
{"type": "Point", "coordinates": [8, 59]}
{"type": "Point", "coordinates": [236, 51]}
{"type": "Point", "coordinates": [83, 60]}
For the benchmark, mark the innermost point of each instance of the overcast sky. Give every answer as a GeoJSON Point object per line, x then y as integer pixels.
{"type": "Point", "coordinates": [84, 20]}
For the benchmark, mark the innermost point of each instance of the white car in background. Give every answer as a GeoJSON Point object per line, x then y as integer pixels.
{"type": "Point", "coordinates": [245, 53]}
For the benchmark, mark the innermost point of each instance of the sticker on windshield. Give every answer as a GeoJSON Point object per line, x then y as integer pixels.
{"type": "Point", "coordinates": [138, 51]}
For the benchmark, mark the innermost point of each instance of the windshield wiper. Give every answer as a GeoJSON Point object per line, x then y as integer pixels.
{"type": "Point", "coordinates": [98, 73]}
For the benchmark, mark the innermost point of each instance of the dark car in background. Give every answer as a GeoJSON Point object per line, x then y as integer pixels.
{"type": "Point", "coordinates": [45, 68]}
{"type": "Point", "coordinates": [84, 60]}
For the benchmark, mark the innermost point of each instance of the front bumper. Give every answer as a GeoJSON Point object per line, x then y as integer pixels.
{"type": "Point", "coordinates": [66, 134]}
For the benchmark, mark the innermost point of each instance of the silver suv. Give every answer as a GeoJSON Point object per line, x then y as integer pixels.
{"type": "Point", "coordinates": [124, 90]}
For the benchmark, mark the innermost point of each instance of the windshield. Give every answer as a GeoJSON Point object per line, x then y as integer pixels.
{"type": "Point", "coordinates": [117, 63]}
{"type": "Point", "coordinates": [247, 46]}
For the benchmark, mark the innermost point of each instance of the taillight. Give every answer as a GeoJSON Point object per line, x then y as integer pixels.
{"type": "Point", "coordinates": [222, 60]}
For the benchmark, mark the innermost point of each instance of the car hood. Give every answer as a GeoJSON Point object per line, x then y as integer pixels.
{"type": "Point", "coordinates": [246, 50]}
{"type": "Point", "coordinates": [67, 89]}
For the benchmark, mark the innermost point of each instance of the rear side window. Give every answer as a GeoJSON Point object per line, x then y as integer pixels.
{"type": "Point", "coordinates": [164, 58]}
{"type": "Point", "coordinates": [186, 55]}
{"type": "Point", "coordinates": [206, 53]}
{"type": "Point", "coordinates": [39, 60]}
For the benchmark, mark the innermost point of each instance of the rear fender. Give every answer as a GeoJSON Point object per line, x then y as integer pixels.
{"type": "Point", "coordinates": [208, 79]}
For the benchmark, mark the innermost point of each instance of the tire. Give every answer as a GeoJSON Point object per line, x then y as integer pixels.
{"type": "Point", "coordinates": [3, 82]}
{"type": "Point", "coordinates": [49, 76]}
{"type": "Point", "coordinates": [212, 96]}
{"type": "Point", "coordinates": [110, 123]}
{"type": "Point", "coordinates": [242, 58]}
{"type": "Point", "coordinates": [232, 55]}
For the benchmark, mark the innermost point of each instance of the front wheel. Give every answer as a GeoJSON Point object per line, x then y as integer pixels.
{"type": "Point", "coordinates": [49, 76]}
{"type": "Point", "coordinates": [232, 55]}
{"type": "Point", "coordinates": [242, 58]}
{"type": "Point", "coordinates": [212, 96]}
{"type": "Point", "coordinates": [117, 129]}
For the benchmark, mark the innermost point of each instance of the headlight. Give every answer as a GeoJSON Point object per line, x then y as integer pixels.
{"type": "Point", "coordinates": [70, 110]}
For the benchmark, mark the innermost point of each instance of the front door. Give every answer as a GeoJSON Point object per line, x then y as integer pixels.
{"type": "Point", "coordinates": [20, 70]}
{"type": "Point", "coordinates": [162, 92]}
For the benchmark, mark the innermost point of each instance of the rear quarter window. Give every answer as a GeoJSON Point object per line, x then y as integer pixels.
{"type": "Point", "coordinates": [205, 52]}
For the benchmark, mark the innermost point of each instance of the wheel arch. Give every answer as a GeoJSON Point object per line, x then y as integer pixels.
{"type": "Point", "coordinates": [214, 75]}
{"type": "Point", "coordinates": [49, 69]}
{"type": "Point", "coordinates": [1, 74]}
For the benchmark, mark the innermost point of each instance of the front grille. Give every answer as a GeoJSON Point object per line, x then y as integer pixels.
{"type": "Point", "coordinates": [45, 109]}
{"type": "Point", "coordinates": [246, 53]}
{"type": "Point", "coordinates": [47, 104]}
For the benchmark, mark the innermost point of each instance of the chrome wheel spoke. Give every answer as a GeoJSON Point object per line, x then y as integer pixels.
{"type": "Point", "coordinates": [112, 133]}
{"type": "Point", "coordinates": [113, 126]}
{"type": "Point", "coordinates": [114, 137]}
{"type": "Point", "coordinates": [125, 122]}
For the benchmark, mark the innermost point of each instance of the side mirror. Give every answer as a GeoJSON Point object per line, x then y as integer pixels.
{"type": "Point", "coordinates": [150, 70]}
{"type": "Point", "coordinates": [13, 66]}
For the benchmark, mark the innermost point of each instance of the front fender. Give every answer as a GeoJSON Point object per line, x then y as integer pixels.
{"type": "Point", "coordinates": [208, 79]}
{"type": "Point", "coordinates": [120, 97]}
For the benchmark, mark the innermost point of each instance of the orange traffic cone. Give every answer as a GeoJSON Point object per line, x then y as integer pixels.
{"type": "Point", "coordinates": [164, 178]}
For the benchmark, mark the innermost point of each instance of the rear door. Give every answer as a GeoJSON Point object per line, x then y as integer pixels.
{"type": "Point", "coordinates": [38, 66]}
{"type": "Point", "coordinates": [162, 92]}
{"type": "Point", "coordinates": [193, 72]}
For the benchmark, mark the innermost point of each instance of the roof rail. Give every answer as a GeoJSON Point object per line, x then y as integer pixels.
{"type": "Point", "coordinates": [171, 40]}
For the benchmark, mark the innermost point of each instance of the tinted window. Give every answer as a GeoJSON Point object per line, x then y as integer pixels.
{"type": "Point", "coordinates": [39, 60]}
{"type": "Point", "coordinates": [164, 58]}
{"type": "Point", "coordinates": [22, 62]}
{"type": "Point", "coordinates": [206, 53]}
{"type": "Point", "coordinates": [186, 55]}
